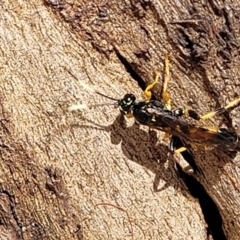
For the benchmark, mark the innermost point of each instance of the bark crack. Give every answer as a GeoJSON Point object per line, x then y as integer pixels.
{"type": "Point", "coordinates": [12, 202]}
{"type": "Point", "coordinates": [130, 69]}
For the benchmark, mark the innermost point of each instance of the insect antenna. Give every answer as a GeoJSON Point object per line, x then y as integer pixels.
{"type": "Point", "coordinates": [83, 106]}
{"type": "Point", "coordinates": [103, 95]}
{"type": "Point", "coordinates": [89, 89]}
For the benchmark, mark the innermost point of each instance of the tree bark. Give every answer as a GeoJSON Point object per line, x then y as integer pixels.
{"type": "Point", "coordinates": [92, 174]}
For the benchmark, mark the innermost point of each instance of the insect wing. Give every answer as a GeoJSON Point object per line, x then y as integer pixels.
{"type": "Point", "coordinates": [165, 121]}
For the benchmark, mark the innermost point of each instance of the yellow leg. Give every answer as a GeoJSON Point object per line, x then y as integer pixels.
{"type": "Point", "coordinates": [165, 95]}
{"type": "Point", "coordinates": [221, 110]}
{"type": "Point", "coordinates": [233, 104]}
{"type": "Point", "coordinates": [179, 150]}
{"type": "Point", "coordinates": [148, 92]}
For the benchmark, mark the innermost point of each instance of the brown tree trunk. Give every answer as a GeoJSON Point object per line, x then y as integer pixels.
{"type": "Point", "coordinates": [90, 174]}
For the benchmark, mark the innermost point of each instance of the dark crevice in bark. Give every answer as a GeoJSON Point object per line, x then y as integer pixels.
{"type": "Point", "coordinates": [129, 68]}
{"type": "Point", "coordinates": [210, 211]}
{"type": "Point", "coordinates": [13, 212]}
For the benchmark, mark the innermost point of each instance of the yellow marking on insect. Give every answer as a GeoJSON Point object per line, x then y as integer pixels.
{"type": "Point", "coordinates": [233, 104]}
{"type": "Point", "coordinates": [181, 149]}
{"type": "Point", "coordinates": [77, 107]}
{"type": "Point", "coordinates": [213, 129]}
{"type": "Point", "coordinates": [147, 92]}
{"type": "Point", "coordinates": [208, 115]}
{"type": "Point", "coordinates": [153, 119]}
{"type": "Point", "coordinates": [167, 73]}
{"type": "Point", "coordinates": [130, 115]}
{"type": "Point", "coordinates": [214, 113]}
{"type": "Point", "coordinates": [165, 95]}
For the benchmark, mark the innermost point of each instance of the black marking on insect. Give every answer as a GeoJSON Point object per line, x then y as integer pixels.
{"type": "Point", "coordinates": [159, 115]}
{"type": "Point", "coordinates": [154, 114]}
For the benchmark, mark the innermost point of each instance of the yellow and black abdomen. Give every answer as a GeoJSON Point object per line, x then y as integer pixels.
{"type": "Point", "coordinates": [155, 115]}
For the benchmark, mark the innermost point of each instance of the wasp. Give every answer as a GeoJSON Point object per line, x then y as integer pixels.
{"type": "Point", "coordinates": [160, 115]}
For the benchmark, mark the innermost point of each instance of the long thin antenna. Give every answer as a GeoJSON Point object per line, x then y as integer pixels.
{"type": "Point", "coordinates": [83, 106]}
{"type": "Point", "coordinates": [88, 88]}
{"type": "Point", "coordinates": [103, 95]}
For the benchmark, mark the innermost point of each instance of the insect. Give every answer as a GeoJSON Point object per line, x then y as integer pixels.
{"type": "Point", "coordinates": [159, 115]}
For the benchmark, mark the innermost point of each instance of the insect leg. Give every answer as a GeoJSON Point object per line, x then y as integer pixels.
{"type": "Point", "coordinates": [165, 95]}
{"type": "Point", "coordinates": [148, 92]}
{"type": "Point", "coordinates": [184, 111]}
{"type": "Point", "coordinates": [172, 146]}
{"type": "Point", "coordinates": [180, 150]}
{"type": "Point", "coordinates": [221, 110]}
{"type": "Point", "coordinates": [185, 159]}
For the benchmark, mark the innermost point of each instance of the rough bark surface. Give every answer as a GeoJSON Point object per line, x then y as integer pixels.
{"type": "Point", "coordinates": [92, 174]}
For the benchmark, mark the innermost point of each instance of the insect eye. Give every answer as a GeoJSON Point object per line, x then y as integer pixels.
{"type": "Point", "coordinates": [126, 104]}
{"type": "Point", "coordinates": [129, 98]}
